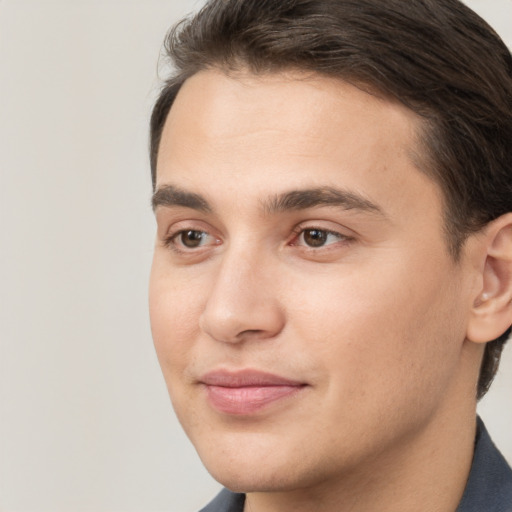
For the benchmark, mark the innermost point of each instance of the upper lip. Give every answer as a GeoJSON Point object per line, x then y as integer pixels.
{"type": "Point", "coordinates": [245, 378]}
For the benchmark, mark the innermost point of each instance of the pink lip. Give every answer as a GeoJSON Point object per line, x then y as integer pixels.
{"type": "Point", "coordinates": [247, 391]}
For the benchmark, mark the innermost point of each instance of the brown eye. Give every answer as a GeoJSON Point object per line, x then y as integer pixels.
{"type": "Point", "coordinates": [191, 238]}
{"type": "Point", "coordinates": [315, 237]}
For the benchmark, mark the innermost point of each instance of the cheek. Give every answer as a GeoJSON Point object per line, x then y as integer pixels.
{"type": "Point", "coordinates": [174, 309]}
{"type": "Point", "coordinates": [174, 316]}
{"type": "Point", "coordinates": [377, 332]}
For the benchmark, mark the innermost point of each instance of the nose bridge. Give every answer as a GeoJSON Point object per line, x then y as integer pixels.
{"type": "Point", "coordinates": [243, 301]}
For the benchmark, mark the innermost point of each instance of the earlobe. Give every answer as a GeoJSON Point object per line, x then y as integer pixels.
{"type": "Point", "coordinates": [491, 314]}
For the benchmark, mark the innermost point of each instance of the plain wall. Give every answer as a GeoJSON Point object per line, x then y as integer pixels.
{"type": "Point", "coordinates": [85, 420]}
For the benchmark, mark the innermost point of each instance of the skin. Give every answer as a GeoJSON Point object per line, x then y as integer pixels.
{"type": "Point", "coordinates": [373, 322]}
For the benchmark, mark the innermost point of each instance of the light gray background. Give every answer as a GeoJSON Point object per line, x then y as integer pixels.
{"type": "Point", "coordinates": [85, 421]}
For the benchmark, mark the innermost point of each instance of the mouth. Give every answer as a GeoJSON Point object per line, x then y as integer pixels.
{"type": "Point", "coordinates": [247, 392]}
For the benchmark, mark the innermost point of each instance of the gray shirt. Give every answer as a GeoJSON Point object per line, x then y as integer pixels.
{"type": "Point", "coordinates": [489, 487]}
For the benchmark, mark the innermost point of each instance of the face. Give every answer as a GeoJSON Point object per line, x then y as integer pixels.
{"type": "Point", "coordinates": [305, 310]}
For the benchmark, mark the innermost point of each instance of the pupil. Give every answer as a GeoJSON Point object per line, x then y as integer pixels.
{"type": "Point", "coordinates": [192, 238]}
{"type": "Point", "coordinates": [315, 237]}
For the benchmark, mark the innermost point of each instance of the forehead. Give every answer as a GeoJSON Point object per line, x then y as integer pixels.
{"type": "Point", "coordinates": [298, 103]}
{"type": "Point", "coordinates": [269, 133]}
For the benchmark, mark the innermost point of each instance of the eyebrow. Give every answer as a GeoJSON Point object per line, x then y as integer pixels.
{"type": "Point", "coordinates": [323, 196]}
{"type": "Point", "coordinates": [170, 195]}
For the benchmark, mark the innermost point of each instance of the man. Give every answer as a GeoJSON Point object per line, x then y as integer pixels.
{"type": "Point", "coordinates": [332, 279]}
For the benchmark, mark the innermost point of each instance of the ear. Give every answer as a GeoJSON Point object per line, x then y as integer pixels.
{"type": "Point", "coordinates": [491, 314]}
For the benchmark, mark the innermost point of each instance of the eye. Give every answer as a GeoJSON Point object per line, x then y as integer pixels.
{"type": "Point", "coordinates": [191, 238]}
{"type": "Point", "coordinates": [314, 237]}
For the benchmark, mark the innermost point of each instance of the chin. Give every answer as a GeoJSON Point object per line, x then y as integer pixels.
{"type": "Point", "coordinates": [254, 480]}
{"type": "Point", "coordinates": [260, 468]}
{"type": "Point", "coordinates": [244, 473]}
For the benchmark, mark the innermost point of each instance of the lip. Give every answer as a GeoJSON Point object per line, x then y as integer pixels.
{"type": "Point", "coordinates": [246, 392]}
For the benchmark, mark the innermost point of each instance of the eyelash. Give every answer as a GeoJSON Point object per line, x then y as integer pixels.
{"type": "Point", "coordinates": [301, 230]}
{"type": "Point", "coordinates": [172, 242]}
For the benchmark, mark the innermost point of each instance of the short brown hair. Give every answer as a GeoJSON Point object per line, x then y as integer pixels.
{"type": "Point", "coordinates": [437, 57]}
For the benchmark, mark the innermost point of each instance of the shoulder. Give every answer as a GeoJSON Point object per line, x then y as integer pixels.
{"type": "Point", "coordinates": [226, 501]}
{"type": "Point", "coordinates": [489, 484]}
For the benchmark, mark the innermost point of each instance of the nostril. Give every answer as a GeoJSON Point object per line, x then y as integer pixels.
{"type": "Point", "coordinates": [255, 323]}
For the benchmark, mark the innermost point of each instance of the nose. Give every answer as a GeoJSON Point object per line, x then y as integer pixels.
{"type": "Point", "coordinates": [243, 303]}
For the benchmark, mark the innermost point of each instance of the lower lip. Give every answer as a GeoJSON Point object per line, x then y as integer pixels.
{"type": "Point", "coordinates": [248, 399]}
